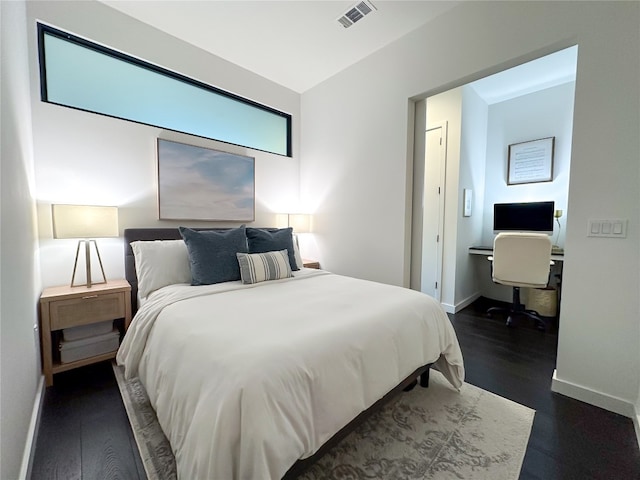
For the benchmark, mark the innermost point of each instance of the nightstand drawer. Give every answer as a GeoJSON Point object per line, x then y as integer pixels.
{"type": "Point", "coordinates": [87, 309]}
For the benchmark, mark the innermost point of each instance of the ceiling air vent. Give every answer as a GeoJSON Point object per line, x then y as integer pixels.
{"type": "Point", "coordinates": [355, 13]}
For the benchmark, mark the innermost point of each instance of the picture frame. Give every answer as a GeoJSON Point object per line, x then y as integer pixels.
{"type": "Point", "coordinates": [531, 161]}
{"type": "Point", "coordinates": [199, 183]}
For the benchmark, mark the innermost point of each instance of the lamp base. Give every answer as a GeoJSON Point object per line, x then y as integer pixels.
{"type": "Point", "coordinates": [87, 250]}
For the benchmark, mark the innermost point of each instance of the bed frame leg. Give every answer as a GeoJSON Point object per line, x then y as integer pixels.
{"type": "Point", "coordinates": [424, 378]}
{"type": "Point", "coordinates": [410, 387]}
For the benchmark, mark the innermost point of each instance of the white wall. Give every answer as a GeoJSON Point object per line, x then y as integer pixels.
{"type": "Point", "coordinates": [547, 113]}
{"type": "Point", "coordinates": [353, 165]}
{"type": "Point", "coordinates": [90, 159]}
{"type": "Point", "coordinates": [600, 280]}
{"type": "Point", "coordinates": [355, 149]}
{"type": "Point", "coordinates": [472, 176]}
{"type": "Point", "coordinates": [636, 419]}
{"type": "Point", "coordinates": [19, 278]}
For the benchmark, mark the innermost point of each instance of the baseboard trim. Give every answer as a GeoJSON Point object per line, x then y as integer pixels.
{"type": "Point", "coordinates": [460, 305]}
{"type": "Point", "coordinates": [593, 397]}
{"type": "Point", "coordinates": [448, 307]}
{"type": "Point", "coordinates": [466, 302]}
{"type": "Point", "coordinates": [32, 434]}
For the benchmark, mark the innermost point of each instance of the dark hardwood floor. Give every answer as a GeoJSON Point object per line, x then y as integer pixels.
{"type": "Point", "coordinates": [84, 431]}
{"type": "Point", "coordinates": [569, 439]}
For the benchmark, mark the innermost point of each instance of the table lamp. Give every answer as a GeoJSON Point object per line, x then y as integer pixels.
{"type": "Point", "coordinates": [85, 222]}
{"type": "Point", "coordinates": [300, 222]}
{"type": "Point", "coordinates": [557, 214]}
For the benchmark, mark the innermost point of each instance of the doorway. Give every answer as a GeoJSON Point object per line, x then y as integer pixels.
{"type": "Point", "coordinates": [482, 119]}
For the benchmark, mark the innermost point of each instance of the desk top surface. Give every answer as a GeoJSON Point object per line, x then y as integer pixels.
{"type": "Point", "coordinates": [489, 248]}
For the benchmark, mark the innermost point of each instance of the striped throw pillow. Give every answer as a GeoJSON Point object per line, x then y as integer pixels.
{"type": "Point", "coordinates": [259, 267]}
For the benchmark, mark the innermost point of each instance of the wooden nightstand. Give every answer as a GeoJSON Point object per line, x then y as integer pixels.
{"type": "Point", "coordinates": [65, 306]}
{"type": "Point", "coordinates": [310, 263]}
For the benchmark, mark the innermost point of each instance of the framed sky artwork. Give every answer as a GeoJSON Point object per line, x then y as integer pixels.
{"type": "Point", "coordinates": [197, 183]}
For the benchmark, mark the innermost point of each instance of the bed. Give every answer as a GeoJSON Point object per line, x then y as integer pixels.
{"type": "Point", "coordinates": [257, 380]}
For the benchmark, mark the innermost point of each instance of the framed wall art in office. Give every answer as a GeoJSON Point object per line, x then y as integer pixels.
{"type": "Point", "coordinates": [530, 162]}
{"type": "Point", "coordinates": [197, 183]}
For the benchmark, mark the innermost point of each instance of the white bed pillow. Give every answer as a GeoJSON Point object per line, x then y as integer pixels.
{"type": "Point", "coordinates": [160, 263]}
{"type": "Point", "coordinates": [296, 251]}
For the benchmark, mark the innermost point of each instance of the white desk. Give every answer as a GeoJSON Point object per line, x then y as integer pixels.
{"type": "Point", "coordinates": [556, 254]}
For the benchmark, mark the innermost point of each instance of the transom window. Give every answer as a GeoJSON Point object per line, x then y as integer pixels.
{"type": "Point", "coordinates": [80, 74]}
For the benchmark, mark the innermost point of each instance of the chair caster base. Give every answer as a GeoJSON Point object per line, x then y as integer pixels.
{"type": "Point", "coordinates": [541, 326]}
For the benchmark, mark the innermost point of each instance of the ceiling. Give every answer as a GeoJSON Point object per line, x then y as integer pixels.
{"type": "Point", "coordinates": [297, 44]}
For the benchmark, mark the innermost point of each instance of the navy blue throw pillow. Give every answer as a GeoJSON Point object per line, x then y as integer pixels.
{"type": "Point", "coordinates": [212, 254]}
{"type": "Point", "coordinates": [263, 240]}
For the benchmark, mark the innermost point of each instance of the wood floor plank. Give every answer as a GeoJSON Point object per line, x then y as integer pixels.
{"type": "Point", "coordinates": [106, 449]}
{"type": "Point", "coordinates": [58, 446]}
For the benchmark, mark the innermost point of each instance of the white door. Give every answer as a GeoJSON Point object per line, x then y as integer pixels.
{"type": "Point", "coordinates": [433, 210]}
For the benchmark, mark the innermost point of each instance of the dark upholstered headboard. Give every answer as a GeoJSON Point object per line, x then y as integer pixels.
{"type": "Point", "coordinates": [145, 234]}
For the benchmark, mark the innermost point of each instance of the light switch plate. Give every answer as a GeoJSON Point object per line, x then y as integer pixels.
{"type": "Point", "coordinates": [607, 227]}
{"type": "Point", "coordinates": [467, 201]}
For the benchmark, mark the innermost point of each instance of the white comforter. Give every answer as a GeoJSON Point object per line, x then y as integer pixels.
{"type": "Point", "coordinates": [247, 379]}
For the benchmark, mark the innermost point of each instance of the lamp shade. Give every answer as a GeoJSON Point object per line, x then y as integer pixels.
{"type": "Point", "coordinates": [282, 220]}
{"type": "Point", "coordinates": [301, 222]}
{"type": "Point", "coordinates": [84, 221]}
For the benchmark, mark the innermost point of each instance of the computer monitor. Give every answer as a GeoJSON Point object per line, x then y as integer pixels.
{"type": "Point", "coordinates": [523, 217]}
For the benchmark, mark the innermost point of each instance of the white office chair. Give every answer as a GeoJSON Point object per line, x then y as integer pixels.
{"type": "Point", "coordinates": [521, 260]}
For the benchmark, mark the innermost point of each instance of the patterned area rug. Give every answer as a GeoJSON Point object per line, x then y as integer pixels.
{"type": "Point", "coordinates": [434, 433]}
